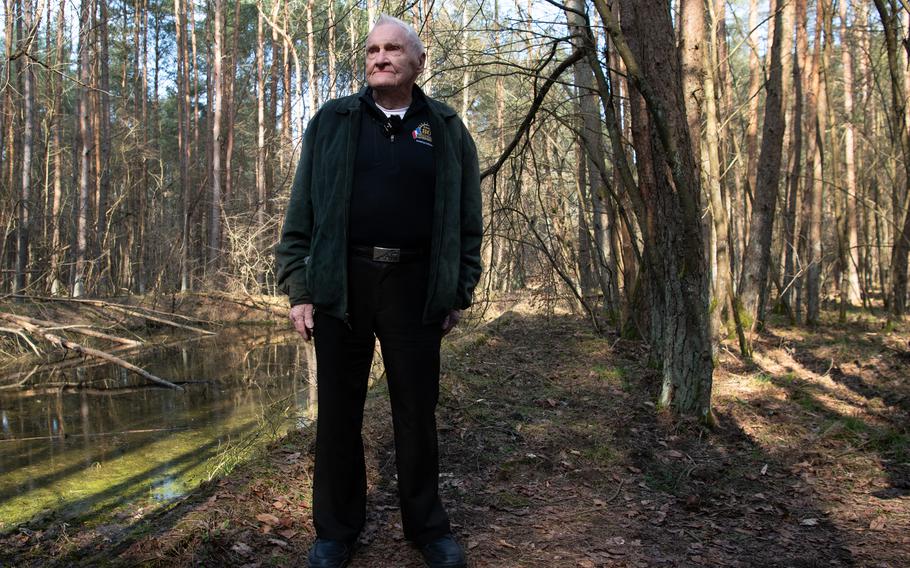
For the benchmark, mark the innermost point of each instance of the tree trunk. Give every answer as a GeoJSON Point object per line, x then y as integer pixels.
{"type": "Point", "coordinates": [851, 279]}
{"type": "Point", "coordinates": [260, 122]}
{"type": "Point", "coordinates": [757, 256]}
{"type": "Point", "coordinates": [28, 103]}
{"type": "Point", "coordinates": [183, 149]}
{"type": "Point", "coordinates": [331, 50]}
{"type": "Point", "coordinates": [231, 111]}
{"type": "Point", "coordinates": [597, 264]}
{"type": "Point", "coordinates": [85, 137]}
{"type": "Point", "coordinates": [901, 137]}
{"type": "Point", "coordinates": [670, 191]}
{"type": "Point", "coordinates": [218, 92]}
{"type": "Point", "coordinates": [312, 83]}
{"type": "Point", "coordinates": [103, 156]}
{"type": "Point", "coordinates": [791, 219]}
{"type": "Point", "coordinates": [816, 195]}
{"type": "Point", "coordinates": [755, 85]}
{"type": "Point", "coordinates": [711, 164]}
{"type": "Point", "coordinates": [57, 145]}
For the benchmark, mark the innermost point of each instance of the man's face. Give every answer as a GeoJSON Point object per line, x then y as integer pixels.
{"type": "Point", "coordinates": [391, 61]}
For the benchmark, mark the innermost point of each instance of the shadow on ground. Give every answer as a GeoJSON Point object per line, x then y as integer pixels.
{"type": "Point", "coordinates": [555, 455]}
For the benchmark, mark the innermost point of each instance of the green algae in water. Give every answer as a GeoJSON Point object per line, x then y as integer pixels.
{"type": "Point", "coordinates": [117, 449]}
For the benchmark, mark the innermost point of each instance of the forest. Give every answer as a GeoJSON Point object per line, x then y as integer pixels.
{"type": "Point", "coordinates": [688, 345]}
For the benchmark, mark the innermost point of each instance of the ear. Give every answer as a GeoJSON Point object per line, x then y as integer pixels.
{"type": "Point", "coordinates": [421, 62]}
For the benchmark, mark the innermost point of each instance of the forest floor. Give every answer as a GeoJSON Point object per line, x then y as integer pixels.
{"type": "Point", "coordinates": [553, 454]}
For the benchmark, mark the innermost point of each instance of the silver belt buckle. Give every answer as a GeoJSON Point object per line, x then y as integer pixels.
{"type": "Point", "coordinates": [381, 254]}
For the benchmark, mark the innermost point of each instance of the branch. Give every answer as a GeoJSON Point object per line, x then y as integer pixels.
{"type": "Point", "coordinates": [576, 56]}
{"type": "Point", "coordinates": [69, 345]}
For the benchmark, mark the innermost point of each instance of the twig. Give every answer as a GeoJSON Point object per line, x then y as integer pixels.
{"type": "Point", "coordinates": [80, 329]}
{"type": "Point", "coordinates": [66, 344]}
{"type": "Point", "coordinates": [21, 334]}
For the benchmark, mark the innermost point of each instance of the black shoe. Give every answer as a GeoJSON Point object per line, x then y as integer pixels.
{"type": "Point", "coordinates": [444, 552]}
{"type": "Point", "coordinates": [327, 553]}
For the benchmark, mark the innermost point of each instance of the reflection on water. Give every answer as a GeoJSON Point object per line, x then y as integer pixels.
{"type": "Point", "coordinates": [91, 451]}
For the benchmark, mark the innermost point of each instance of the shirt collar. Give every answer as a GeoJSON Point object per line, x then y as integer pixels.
{"type": "Point", "coordinates": [418, 102]}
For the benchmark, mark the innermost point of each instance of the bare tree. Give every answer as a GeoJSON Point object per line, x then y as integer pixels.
{"type": "Point", "coordinates": [757, 256]}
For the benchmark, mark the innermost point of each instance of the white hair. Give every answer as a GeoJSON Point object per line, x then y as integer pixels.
{"type": "Point", "coordinates": [411, 35]}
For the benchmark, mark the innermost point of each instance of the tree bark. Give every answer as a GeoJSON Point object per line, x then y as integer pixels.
{"type": "Point", "coordinates": [85, 137]}
{"type": "Point", "coordinates": [57, 145]}
{"type": "Point", "coordinates": [817, 188]}
{"type": "Point", "coordinates": [103, 155]}
{"type": "Point", "coordinates": [183, 143]}
{"type": "Point", "coordinates": [850, 283]}
{"type": "Point", "coordinates": [791, 227]}
{"type": "Point", "coordinates": [30, 25]}
{"type": "Point", "coordinates": [218, 92]}
{"type": "Point", "coordinates": [901, 137]}
{"type": "Point", "coordinates": [674, 250]}
{"type": "Point", "coordinates": [260, 122]}
{"type": "Point", "coordinates": [757, 256]}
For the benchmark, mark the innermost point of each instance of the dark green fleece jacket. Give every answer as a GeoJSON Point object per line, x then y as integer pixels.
{"type": "Point", "coordinates": [313, 251]}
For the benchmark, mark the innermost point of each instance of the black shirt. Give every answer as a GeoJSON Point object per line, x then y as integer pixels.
{"type": "Point", "coordinates": [394, 178]}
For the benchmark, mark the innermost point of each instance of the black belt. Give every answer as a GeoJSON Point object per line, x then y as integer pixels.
{"type": "Point", "coordinates": [383, 254]}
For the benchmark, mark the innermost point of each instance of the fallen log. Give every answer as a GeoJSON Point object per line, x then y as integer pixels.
{"type": "Point", "coordinates": [78, 328]}
{"type": "Point", "coordinates": [134, 311]}
{"type": "Point", "coordinates": [12, 380]}
{"type": "Point", "coordinates": [86, 351]}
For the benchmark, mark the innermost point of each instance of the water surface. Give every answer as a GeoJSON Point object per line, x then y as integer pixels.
{"type": "Point", "coordinates": [118, 446]}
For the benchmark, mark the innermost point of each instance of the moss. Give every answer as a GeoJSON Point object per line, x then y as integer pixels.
{"type": "Point", "coordinates": [762, 377]}
{"type": "Point", "coordinates": [509, 500]}
{"type": "Point", "coordinates": [600, 454]}
{"type": "Point", "coordinates": [806, 401]}
{"type": "Point", "coordinates": [895, 445]}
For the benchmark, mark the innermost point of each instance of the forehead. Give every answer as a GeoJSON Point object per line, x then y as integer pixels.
{"type": "Point", "coordinates": [386, 34]}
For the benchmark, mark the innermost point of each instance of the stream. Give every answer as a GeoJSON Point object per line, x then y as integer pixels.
{"type": "Point", "coordinates": [115, 447]}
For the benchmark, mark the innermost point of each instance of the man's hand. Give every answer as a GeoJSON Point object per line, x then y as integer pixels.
{"type": "Point", "coordinates": [451, 321]}
{"type": "Point", "coordinates": [302, 318]}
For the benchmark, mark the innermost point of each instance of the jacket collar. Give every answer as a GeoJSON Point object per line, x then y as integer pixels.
{"type": "Point", "coordinates": [352, 103]}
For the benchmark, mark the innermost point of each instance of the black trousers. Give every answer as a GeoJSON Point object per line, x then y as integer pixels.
{"type": "Point", "coordinates": [385, 300]}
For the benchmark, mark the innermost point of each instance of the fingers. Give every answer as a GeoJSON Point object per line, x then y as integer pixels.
{"type": "Point", "coordinates": [450, 321]}
{"type": "Point", "coordinates": [308, 317]}
{"type": "Point", "coordinates": [302, 318]}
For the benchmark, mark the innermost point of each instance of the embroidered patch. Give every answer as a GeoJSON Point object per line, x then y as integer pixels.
{"type": "Point", "coordinates": [422, 134]}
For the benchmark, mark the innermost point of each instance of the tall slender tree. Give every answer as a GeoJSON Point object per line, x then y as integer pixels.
{"type": "Point", "coordinates": [757, 256]}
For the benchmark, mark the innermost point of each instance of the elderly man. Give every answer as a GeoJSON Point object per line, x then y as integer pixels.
{"type": "Point", "coordinates": [381, 239]}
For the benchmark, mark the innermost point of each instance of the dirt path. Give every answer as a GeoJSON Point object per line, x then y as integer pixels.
{"type": "Point", "coordinates": [554, 455]}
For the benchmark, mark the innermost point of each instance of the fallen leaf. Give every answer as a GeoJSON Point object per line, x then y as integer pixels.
{"type": "Point", "coordinates": [586, 563]}
{"type": "Point", "coordinates": [878, 523]}
{"type": "Point", "coordinates": [288, 533]}
{"type": "Point", "coordinates": [278, 542]}
{"type": "Point", "coordinates": [764, 469]}
{"type": "Point", "coordinates": [268, 519]}
{"type": "Point", "coordinates": [502, 542]}
{"type": "Point", "coordinates": [811, 522]}
{"type": "Point", "coordinates": [279, 505]}
{"type": "Point", "coordinates": [675, 454]}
